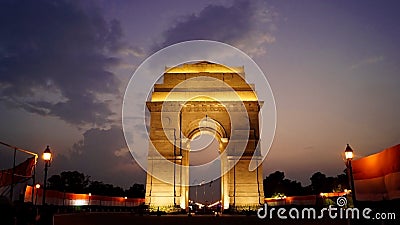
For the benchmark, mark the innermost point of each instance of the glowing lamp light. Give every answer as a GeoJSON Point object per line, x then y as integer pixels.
{"type": "Point", "coordinates": [37, 186]}
{"type": "Point", "coordinates": [348, 153]}
{"type": "Point", "coordinates": [90, 194]}
{"type": "Point", "coordinates": [125, 197]}
{"type": "Point", "coordinates": [47, 154]}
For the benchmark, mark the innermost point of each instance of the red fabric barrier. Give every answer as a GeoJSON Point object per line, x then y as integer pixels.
{"type": "Point", "coordinates": [377, 177]}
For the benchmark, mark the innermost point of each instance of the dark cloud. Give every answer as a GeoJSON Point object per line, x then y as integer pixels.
{"type": "Point", "coordinates": [245, 24]}
{"type": "Point", "coordinates": [103, 154]}
{"type": "Point", "coordinates": [56, 59]}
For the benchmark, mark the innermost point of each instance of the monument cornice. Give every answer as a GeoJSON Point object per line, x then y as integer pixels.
{"type": "Point", "coordinates": [204, 106]}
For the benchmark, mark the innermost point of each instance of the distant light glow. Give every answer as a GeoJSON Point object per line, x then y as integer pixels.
{"type": "Point", "coordinates": [79, 202]}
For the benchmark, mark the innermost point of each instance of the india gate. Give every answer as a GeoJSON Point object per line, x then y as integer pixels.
{"type": "Point", "coordinates": [203, 98]}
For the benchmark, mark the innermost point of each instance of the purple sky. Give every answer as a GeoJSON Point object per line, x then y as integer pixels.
{"type": "Point", "coordinates": [333, 67]}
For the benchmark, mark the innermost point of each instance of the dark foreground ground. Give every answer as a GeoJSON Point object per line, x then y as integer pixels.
{"type": "Point", "coordinates": [131, 219]}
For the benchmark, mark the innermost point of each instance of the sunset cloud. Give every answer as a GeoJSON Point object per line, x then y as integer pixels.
{"type": "Point", "coordinates": [56, 60]}
{"type": "Point", "coordinates": [102, 153]}
{"type": "Point", "coordinates": [247, 25]}
{"type": "Point", "coordinates": [367, 61]}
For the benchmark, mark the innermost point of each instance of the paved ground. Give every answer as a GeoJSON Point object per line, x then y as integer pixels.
{"type": "Point", "coordinates": [127, 218]}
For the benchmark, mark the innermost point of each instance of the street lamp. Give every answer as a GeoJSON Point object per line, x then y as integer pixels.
{"type": "Point", "coordinates": [348, 153]}
{"type": "Point", "coordinates": [47, 158]}
{"type": "Point", "coordinates": [90, 195]}
{"type": "Point", "coordinates": [125, 198]}
{"type": "Point", "coordinates": [37, 186]}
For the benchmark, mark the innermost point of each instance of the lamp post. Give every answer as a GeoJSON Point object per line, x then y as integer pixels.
{"type": "Point", "coordinates": [90, 195]}
{"type": "Point", "coordinates": [37, 186]}
{"type": "Point", "coordinates": [349, 156]}
{"type": "Point", "coordinates": [47, 158]}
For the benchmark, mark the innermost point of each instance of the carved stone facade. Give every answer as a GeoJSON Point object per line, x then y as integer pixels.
{"type": "Point", "coordinates": [203, 98]}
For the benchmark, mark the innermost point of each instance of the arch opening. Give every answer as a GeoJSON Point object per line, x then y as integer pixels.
{"type": "Point", "coordinates": [204, 147]}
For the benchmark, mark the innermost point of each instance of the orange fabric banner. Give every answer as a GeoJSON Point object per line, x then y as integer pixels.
{"type": "Point", "coordinates": [22, 171]}
{"type": "Point", "coordinates": [377, 177]}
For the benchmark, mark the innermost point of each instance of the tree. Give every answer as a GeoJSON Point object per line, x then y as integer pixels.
{"type": "Point", "coordinates": [276, 183]}
{"type": "Point", "coordinates": [55, 183]}
{"type": "Point", "coordinates": [272, 183]}
{"type": "Point", "coordinates": [136, 191]}
{"type": "Point", "coordinates": [321, 183]}
{"type": "Point", "coordinates": [99, 188]}
{"type": "Point", "coordinates": [76, 182]}
{"type": "Point", "coordinates": [317, 182]}
{"type": "Point", "coordinates": [343, 180]}
{"type": "Point", "coordinates": [291, 188]}
{"type": "Point", "coordinates": [69, 181]}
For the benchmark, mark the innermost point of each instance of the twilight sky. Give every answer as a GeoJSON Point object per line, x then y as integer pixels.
{"type": "Point", "coordinates": [333, 66]}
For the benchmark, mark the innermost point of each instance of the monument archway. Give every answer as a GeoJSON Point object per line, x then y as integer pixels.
{"type": "Point", "coordinates": [194, 99]}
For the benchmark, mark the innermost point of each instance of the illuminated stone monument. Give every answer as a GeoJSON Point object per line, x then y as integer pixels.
{"type": "Point", "coordinates": [199, 98]}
